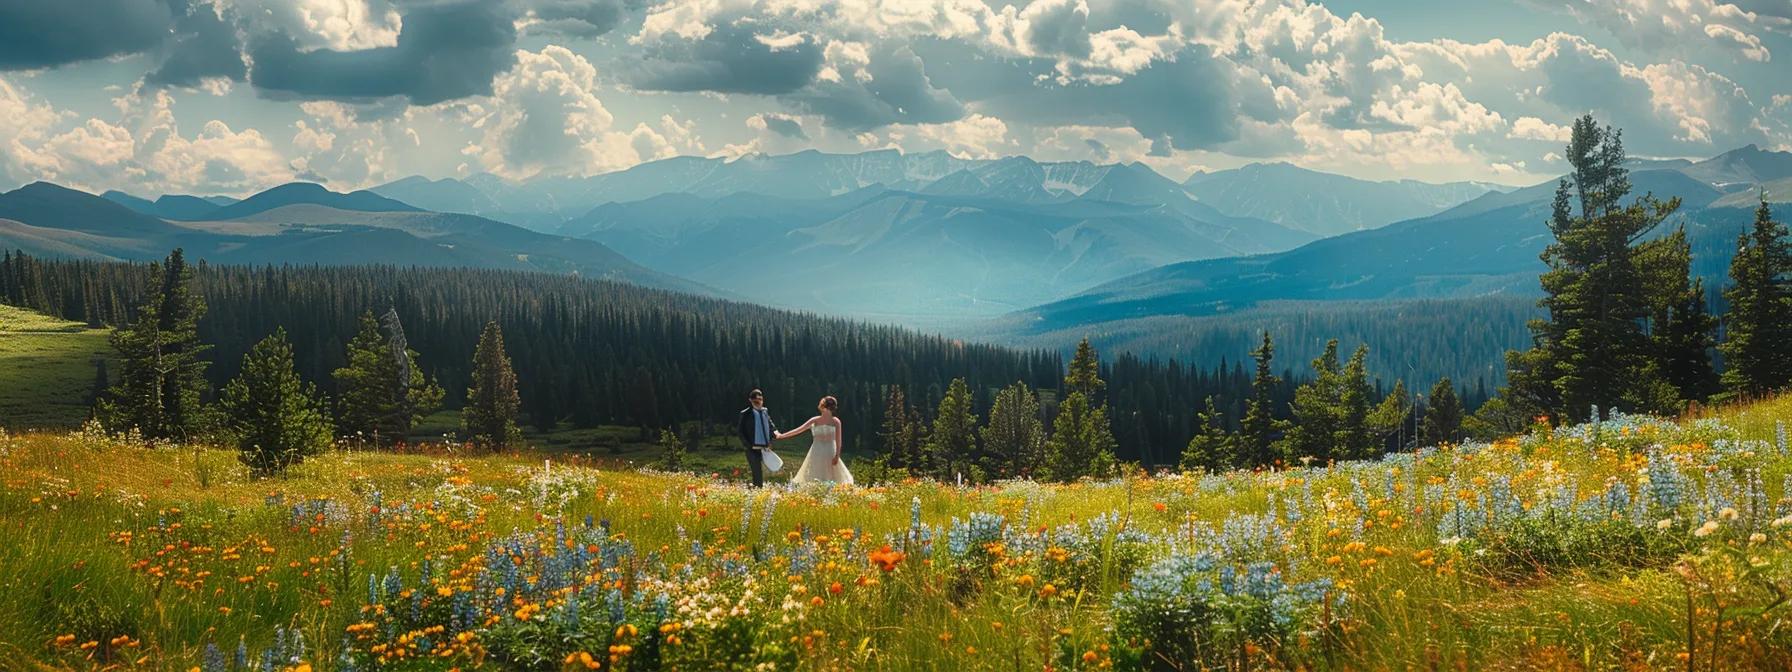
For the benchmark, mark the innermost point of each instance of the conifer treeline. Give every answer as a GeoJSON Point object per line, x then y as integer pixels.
{"type": "Point", "coordinates": [590, 352]}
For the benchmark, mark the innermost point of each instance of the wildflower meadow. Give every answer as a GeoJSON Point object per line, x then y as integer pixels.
{"type": "Point", "coordinates": [1629, 544]}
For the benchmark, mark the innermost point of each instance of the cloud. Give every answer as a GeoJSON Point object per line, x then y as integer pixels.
{"type": "Point", "coordinates": [546, 119]}
{"type": "Point", "coordinates": [1675, 25]}
{"type": "Point", "coordinates": [142, 151]}
{"type": "Point", "coordinates": [734, 57]}
{"type": "Point", "coordinates": [781, 124]}
{"type": "Point", "coordinates": [976, 137]}
{"type": "Point", "coordinates": [1532, 128]}
{"type": "Point", "coordinates": [575, 18]}
{"type": "Point", "coordinates": [204, 46]}
{"type": "Point", "coordinates": [46, 34]}
{"type": "Point", "coordinates": [442, 52]}
{"type": "Point", "coordinates": [890, 87]}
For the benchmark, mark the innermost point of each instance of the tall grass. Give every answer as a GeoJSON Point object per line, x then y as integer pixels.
{"type": "Point", "coordinates": [1572, 549]}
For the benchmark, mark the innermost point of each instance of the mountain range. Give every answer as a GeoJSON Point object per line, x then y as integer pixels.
{"type": "Point", "coordinates": [297, 224]}
{"type": "Point", "coordinates": [1487, 246]}
{"type": "Point", "coordinates": [845, 233]}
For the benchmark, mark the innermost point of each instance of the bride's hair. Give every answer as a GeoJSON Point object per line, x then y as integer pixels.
{"type": "Point", "coordinates": [830, 403]}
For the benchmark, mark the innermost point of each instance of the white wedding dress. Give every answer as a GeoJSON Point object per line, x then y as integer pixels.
{"type": "Point", "coordinates": [819, 466]}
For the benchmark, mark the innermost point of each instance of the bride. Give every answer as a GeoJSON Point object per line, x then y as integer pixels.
{"type": "Point", "coordinates": [823, 463]}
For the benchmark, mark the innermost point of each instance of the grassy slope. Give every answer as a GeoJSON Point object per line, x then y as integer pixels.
{"type": "Point", "coordinates": [47, 369]}
{"type": "Point", "coordinates": [68, 500]}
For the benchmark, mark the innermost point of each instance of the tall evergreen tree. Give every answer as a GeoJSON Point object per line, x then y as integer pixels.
{"type": "Point", "coordinates": [1082, 441]}
{"type": "Point", "coordinates": [1257, 431]}
{"type": "Point", "coordinates": [1213, 448]}
{"type": "Point", "coordinates": [278, 419]}
{"type": "Point", "coordinates": [489, 417]}
{"type": "Point", "coordinates": [382, 392]}
{"type": "Point", "coordinates": [1757, 344]}
{"type": "Point", "coordinates": [952, 445]}
{"type": "Point", "coordinates": [1317, 413]}
{"type": "Point", "coordinates": [1014, 438]}
{"type": "Point", "coordinates": [1085, 373]}
{"type": "Point", "coordinates": [161, 379]}
{"type": "Point", "coordinates": [1443, 416]}
{"type": "Point", "coordinates": [1592, 350]}
{"type": "Point", "coordinates": [1358, 434]}
{"type": "Point", "coordinates": [1682, 331]}
{"type": "Point", "coordinates": [902, 432]}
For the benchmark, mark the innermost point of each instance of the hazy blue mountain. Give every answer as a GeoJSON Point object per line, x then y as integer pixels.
{"type": "Point", "coordinates": [1324, 204]}
{"type": "Point", "coordinates": [50, 220]}
{"type": "Point", "coordinates": [443, 195]}
{"type": "Point", "coordinates": [171, 206]}
{"type": "Point", "coordinates": [1483, 247]}
{"type": "Point", "coordinates": [886, 252]}
{"type": "Point", "coordinates": [297, 193]}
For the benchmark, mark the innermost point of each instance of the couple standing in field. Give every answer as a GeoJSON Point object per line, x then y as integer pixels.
{"type": "Point", "coordinates": [758, 431]}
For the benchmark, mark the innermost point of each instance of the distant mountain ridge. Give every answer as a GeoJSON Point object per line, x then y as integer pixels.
{"type": "Point", "coordinates": [1325, 204]}
{"type": "Point", "coordinates": [302, 224]}
{"type": "Point", "coordinates": [1486, 246]}
{"type": "Point", "coordinates": [955, 250]}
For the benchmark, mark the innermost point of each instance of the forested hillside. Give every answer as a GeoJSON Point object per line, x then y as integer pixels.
{"type": "Point", "coordinates": [591, 352]}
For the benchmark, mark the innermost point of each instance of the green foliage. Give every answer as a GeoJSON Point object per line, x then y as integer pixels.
{"type": "Point", "coordinates": [1532, 546]}
{"type": "Point", "coordinates": [1593, 350]}
{"type": "Point", "coordinates": [952, 444]}
{"type": "Point", "coordinates": [52, 370]}
{"type": "Point", "coordinates": [1014, 438]}
{"type": "Point", "coordinates": [1085, 373]}
{"type": "Point", "coordinates": [489, 417]}
{"type": "Point", "coordinates": [1335, 415]}
{"type": "Point", "coordinates": [1317, 413]}
{"type": "Point", "coordinates": [1682, 331]}
{"type": "Point", "coordinates": [1757, 345]}
{"type": "Point", "coordinates": [382, 393]}
{"type": "Point", "coordinates": [903, 433]}
{"type": "Point", "coordinates": [1213, 449]}
{"type": "Point", "coordinates": [672, 451]}
{"type": "Point", "coordinates": [1081, 443]}
{"type": "Point", "coordinates": [161, 378]}
{"type": "Point", "coordinates": [278, 419]}
{"type": "Point", "coordinates": [1443, 416]}
{"type": "Point", "coordinates": [1256, 432]}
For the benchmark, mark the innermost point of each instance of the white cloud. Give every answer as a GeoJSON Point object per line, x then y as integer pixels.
{"type": "Point", "coordinates": [326, 24]}
{"type": "Point", "coordinates": [1675, 24]}
{"type": "Point", "coordinates": [1532, 128]}
{"type": "Point", "coordinates": [545, 119]}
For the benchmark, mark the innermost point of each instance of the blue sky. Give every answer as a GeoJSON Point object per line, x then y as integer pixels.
{"type": "Point", "coordinates": [231, 96]}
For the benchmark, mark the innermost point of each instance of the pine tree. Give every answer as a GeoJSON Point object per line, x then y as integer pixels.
{"type": "Point", "coordinates": [277, 418]}
{"type": "Point", "coordinates": [1256, 435]}
{"type": "Point", "coordinates": [1085, 373]}
{"type": "Point", "coordinates": [1082, 440]}
{"type": "Point", "coordinates": [952, 445]}
{"type": "Point", "coordinates": [1387, 419]}
{"type": "Point", "coordinates": [1443, 417]}
{"type": "Point", "coordinates": [382, 393]}
{"type": "Point", "coordinates": [1757, 345]}
{"type": "Point", "coordinates": [1213, 448]}
{"type": "Point", "coordinates": [1357, 437]}
{"type": "Point", "coordinates": [161, 379]}
{"type": "Point", "coordinates": [671, 451]}
{"type": "Point", "coordinates": [1081, 443]}
{"type": "Point", "coordinates": [489, 417]}
{"type": "Point", "coordinates": [1681, 328]}
{"type": "Point", "coordinates": [1317, 412]}
{"type": "Point", "coordinates": [1592, 351]}
{"type": "Point", "coordinates": [1014, 439]}
{"type": "Point", "coordinates": [898, 434]}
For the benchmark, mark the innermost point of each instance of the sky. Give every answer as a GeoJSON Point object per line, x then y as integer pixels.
{"type": "Point", "coordinates": [233, 96]}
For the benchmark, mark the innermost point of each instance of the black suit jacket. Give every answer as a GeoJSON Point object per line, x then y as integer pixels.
{"type": "Point", "coordinates": [746, 427]}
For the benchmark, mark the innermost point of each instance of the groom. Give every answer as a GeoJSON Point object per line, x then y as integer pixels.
{"type": "Point", "coordinates": [757, 431]}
